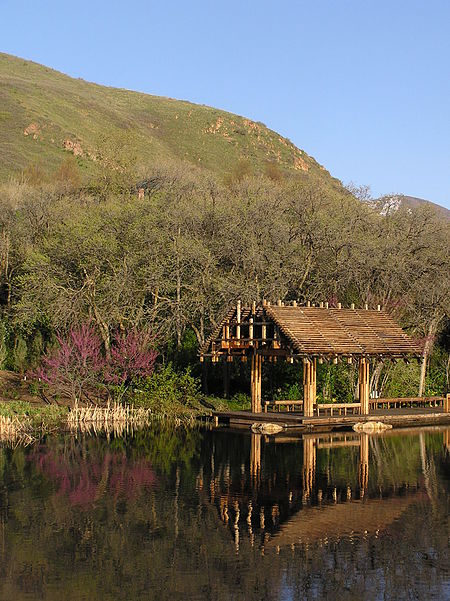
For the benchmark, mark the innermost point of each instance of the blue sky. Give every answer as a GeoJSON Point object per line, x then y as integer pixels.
{"type": "Point", "coordinates": [361, 85]}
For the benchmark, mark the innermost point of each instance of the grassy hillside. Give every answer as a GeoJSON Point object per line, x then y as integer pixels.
{"type": "Point", "coordinates": [44, 115]}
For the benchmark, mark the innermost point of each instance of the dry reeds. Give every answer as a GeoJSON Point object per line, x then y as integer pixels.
{"type": "Point", "coordinates": [15, 432]}
{"type": "Point", "coordinates": [116, 419]}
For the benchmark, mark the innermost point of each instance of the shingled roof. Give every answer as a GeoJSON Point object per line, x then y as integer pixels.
{"type": "Point", "coordinates": [316, 331]}
{"type": "Point", "coordinates": [322, 331]}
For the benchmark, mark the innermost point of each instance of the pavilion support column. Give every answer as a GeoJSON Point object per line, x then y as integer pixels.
{"type": "Point", "coordinates": [364, 385]}
{"type": "Point", "coordinates": [309, 386]}
{"type": "Point", "coordinates": [259, 386]}
{"type": "Point", "coordinates": [256, 369]}
{"type": "Point", "coordinates": [226, 378]}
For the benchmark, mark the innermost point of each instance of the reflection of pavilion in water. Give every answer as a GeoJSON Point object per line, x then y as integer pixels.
{"type": "Point", "coordinates": [301, 511]}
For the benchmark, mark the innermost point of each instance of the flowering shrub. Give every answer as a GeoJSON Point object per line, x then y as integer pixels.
{"type": "Point", "coordinates": [78, 368]}
{"type": "Point", "coordinates": [75, 365]}
{"type": "Point", "coordinates": [131, 357]}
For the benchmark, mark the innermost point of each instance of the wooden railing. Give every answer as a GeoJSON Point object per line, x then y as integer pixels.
{"type": "Point", "coordinates": [405, 402]}
{"type": "Point", "coordinates": [319, 408]}
{"type": "Point", "coordinates": [278, 404]}
{"type": "Point", "coordinates": [337, 408]}
{"type": "Point", "coordinates": [355, 408]}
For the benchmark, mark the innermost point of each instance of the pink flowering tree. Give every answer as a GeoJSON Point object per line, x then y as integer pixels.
{"type": "Point", "coordinates": [132, 357]}
{"type": "Point", "coordinates": [76, 365]}
{"type": "Point", "coordinates": [77, 368]}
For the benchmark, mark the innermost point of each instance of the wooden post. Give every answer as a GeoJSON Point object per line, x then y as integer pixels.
{"type": "Point", "coordinates": [256, 369]}
{"type": "Point", "coordinates": [259, 384]}
{"type": "Point", "coordinates": [252, 380]}
{"type": "Point", "coordinates": [364, 385]}
{"type": "Point", "coordinates": [250, 331]}
{"type": "Point", "coordinates": [309, 386]}
{"type": "Point", "coordinates": [238, 319]}
{"type": "Point", "coordinates": [226, 378]}
{"type": "Point", "coordinates": [447, 404]}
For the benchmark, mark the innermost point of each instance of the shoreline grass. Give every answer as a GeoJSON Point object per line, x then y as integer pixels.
{"type": "Point", "coordinates": [22, 422]}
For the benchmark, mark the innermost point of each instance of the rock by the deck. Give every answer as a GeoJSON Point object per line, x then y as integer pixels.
{"type": "Point", "coordinates": [371, 427]}
{"type": "Point", "coordinates": [266, 428]}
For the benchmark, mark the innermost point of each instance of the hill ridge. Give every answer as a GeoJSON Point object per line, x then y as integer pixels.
{"type": "Point", "coordinates": [46, 113]}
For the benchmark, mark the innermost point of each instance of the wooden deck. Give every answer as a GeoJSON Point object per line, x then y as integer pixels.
{"type": "Point", "coordinates": [397, 418]}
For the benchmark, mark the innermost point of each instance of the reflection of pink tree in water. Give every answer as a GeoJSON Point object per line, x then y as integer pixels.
{"type": "Point", "coordinates": [85, 481]}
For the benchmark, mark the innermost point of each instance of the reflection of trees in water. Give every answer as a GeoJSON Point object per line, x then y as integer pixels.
{"type": "Point", "coordinates": [85, 479]}
{"type": "Point", "coordinates": [169, 542]}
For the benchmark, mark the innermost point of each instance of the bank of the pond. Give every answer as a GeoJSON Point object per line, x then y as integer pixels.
{"type": "Point", "coordinates": [25, 421]}
{"type": "Point", "coordinates": [28, 408]}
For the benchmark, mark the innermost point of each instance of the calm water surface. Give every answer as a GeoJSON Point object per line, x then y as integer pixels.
{"type": "Point", "coordinates": [174, 514]}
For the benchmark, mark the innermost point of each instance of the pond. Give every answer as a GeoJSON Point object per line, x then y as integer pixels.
{"type": "Point", "coordinates": [221, 515]}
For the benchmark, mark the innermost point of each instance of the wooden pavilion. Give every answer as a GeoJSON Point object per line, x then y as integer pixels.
{"type": "Point", "coordinates": [308, 334]}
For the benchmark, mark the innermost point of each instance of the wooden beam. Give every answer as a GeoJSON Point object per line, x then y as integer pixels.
{"type": "Point", "coordinates": [309, 386]}
{"type": "Point", "coordinates": [256, 373]}
{"type": "Point", "coordinates": [250, 330]}
{"type": "Point", "coordinates": [226, 379]}
{"type": "Point", "coordinates": [364, 384]}
{"type": "Point", "coordinates": [259, 384]}
{"type": "Point", "coordinates": [238, 319]}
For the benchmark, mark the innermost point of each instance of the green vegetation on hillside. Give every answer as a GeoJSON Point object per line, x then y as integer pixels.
{"type": "Point", "coordinates": [46, 115]}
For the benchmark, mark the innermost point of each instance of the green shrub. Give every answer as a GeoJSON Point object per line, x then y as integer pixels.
{"type": "Point", "coordinates": [19, 355]}
{"type": "Point", "coordinates": [239, 401]}
{"type": "Point", "coordinates": [169, 392]}
{"type": "Point", "coordinates": [291, 392]}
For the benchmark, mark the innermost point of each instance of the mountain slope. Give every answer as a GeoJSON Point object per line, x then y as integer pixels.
{"type": "Point", "coordinates": [45, 114]}
{"type": "Point", "coordinates": [391, 203]}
